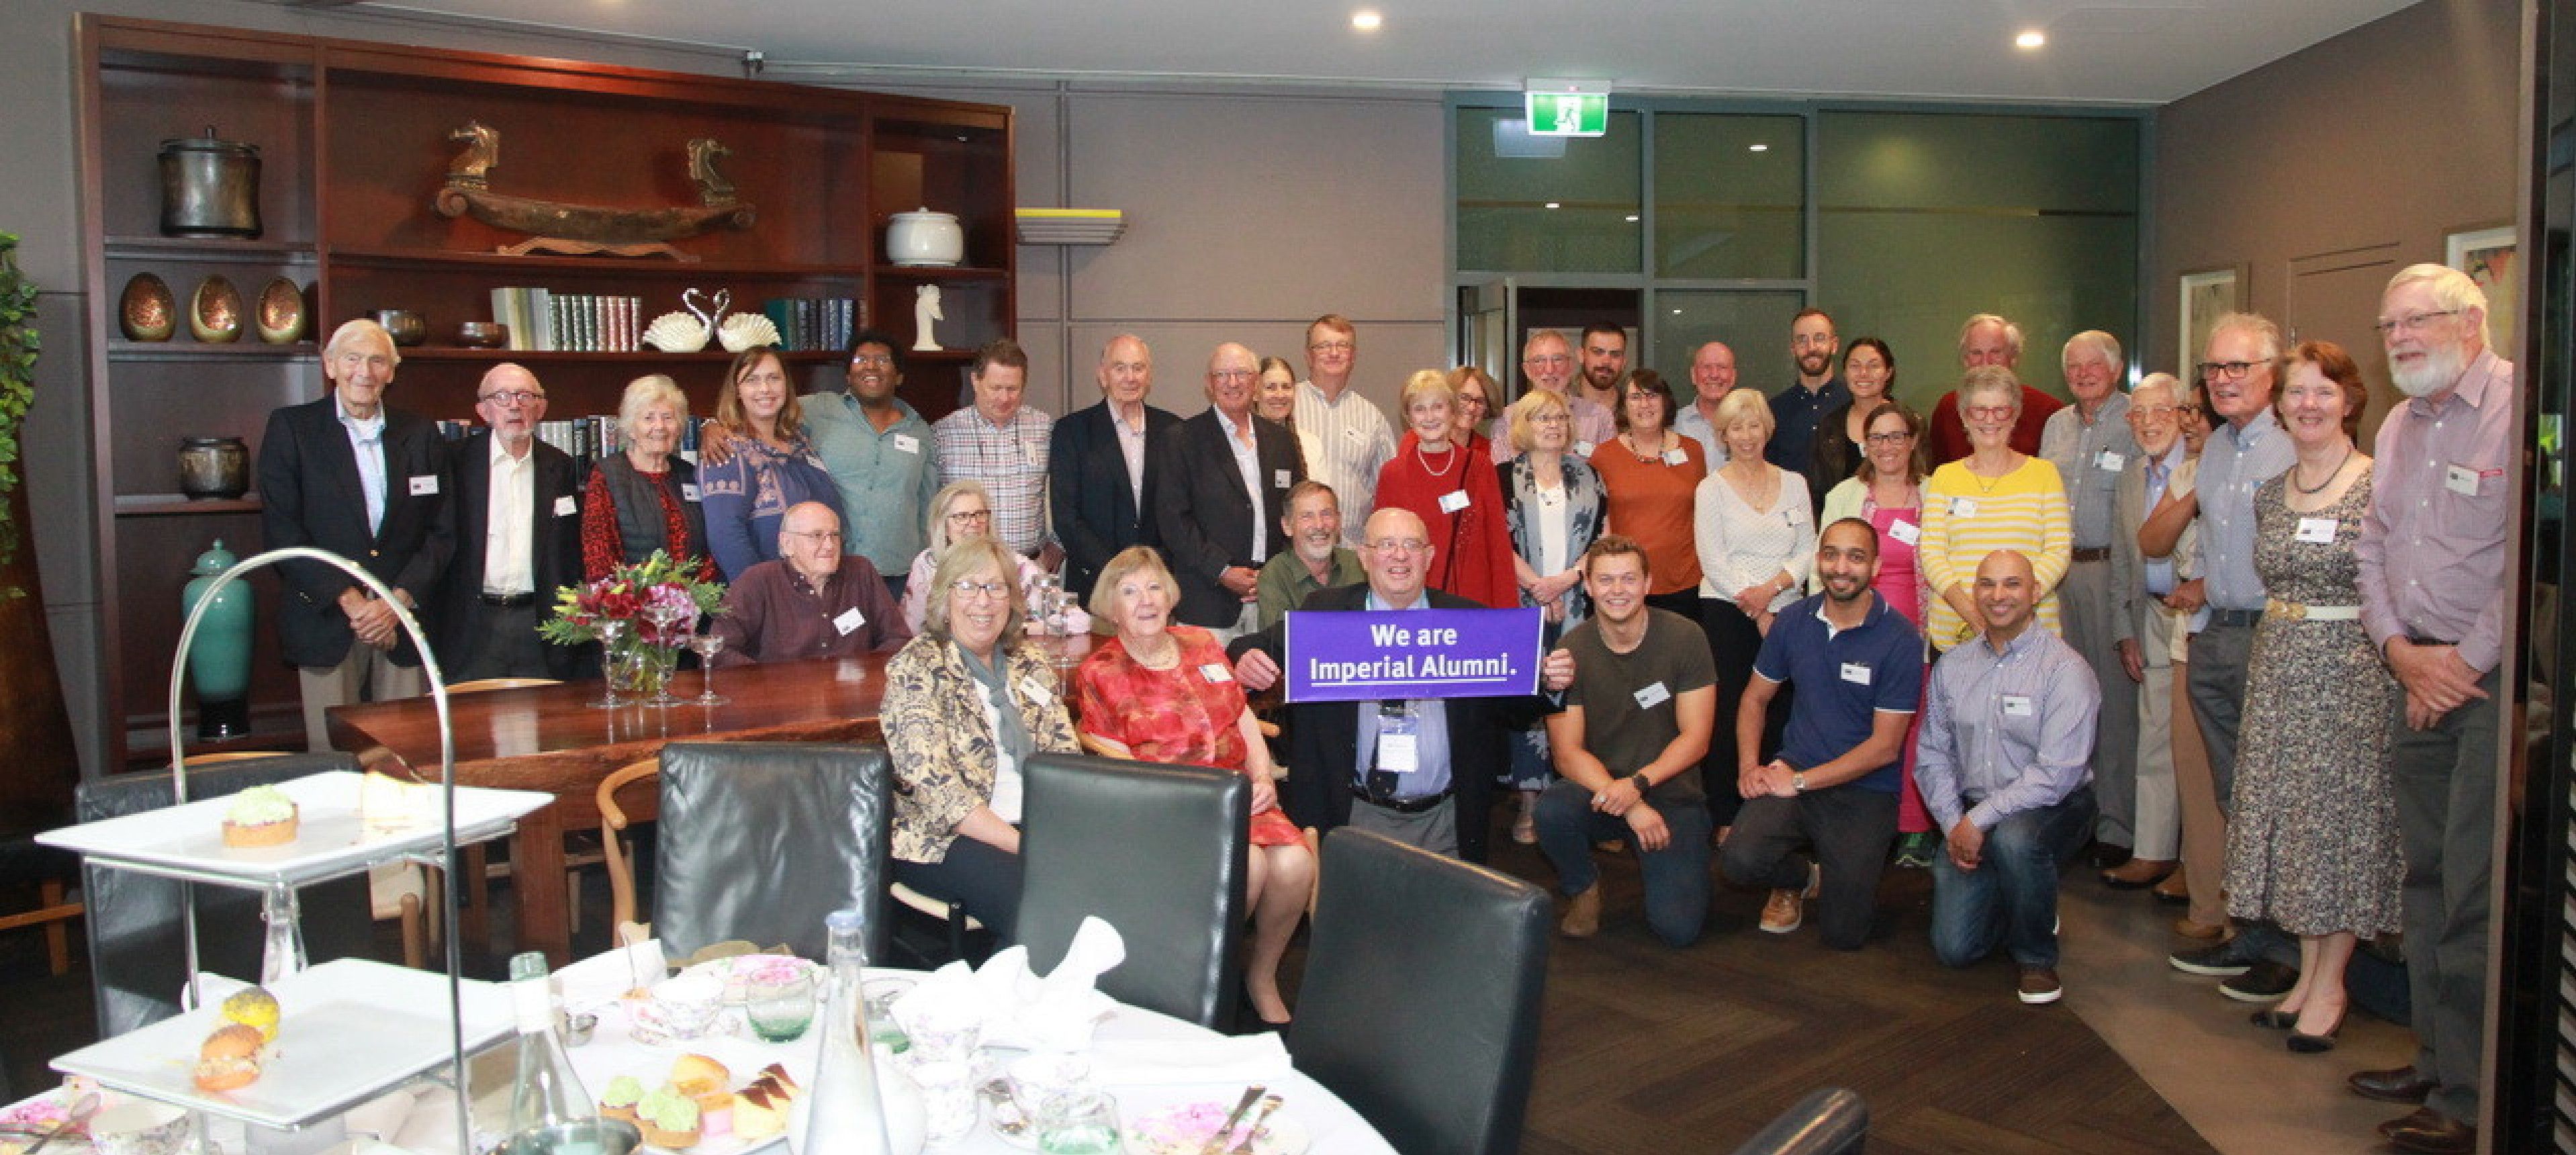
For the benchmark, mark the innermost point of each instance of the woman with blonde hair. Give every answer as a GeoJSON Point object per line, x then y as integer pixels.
{"type": "Point", "coordinates": [1552, 507]}
{"type": "Point", "coordinates": [961, 511]}
{"type": "Point", "coordinates": [1453, 489]}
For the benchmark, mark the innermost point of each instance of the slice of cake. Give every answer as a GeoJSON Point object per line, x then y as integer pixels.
{"type": "Point", "coordinates": [260, 816]}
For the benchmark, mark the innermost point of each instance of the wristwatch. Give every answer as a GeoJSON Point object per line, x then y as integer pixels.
{"type": "Point", "coordinates": [1641, 782]}
{"type": "Point", "coordinates": [1798, 781]}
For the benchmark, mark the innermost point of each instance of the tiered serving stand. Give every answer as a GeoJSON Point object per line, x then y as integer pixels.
{"type": "Point", "coordinates": [352, 1029]}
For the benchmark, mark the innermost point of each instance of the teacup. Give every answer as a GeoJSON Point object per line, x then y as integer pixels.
{"type": "Point", "coordinates": [687, 1006]}
{"type": "Point", "coordinates": [139, 1128]}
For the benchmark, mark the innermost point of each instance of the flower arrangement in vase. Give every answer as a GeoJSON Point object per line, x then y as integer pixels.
{"type": "Point", "coordinates": [642, 615]}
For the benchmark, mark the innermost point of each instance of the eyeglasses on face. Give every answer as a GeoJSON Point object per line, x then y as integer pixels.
{"type": "Point", "coordinates": [1987, 412]}
{"type": "Point", "coordinates": [969, 587]}
{"type": "Point", "coordinates": [2411, 322]}
{"type": "Point", "coordinates": [513, 397]}
{"type": "Point", "coordinates": [2227, 370]}
{"type": "Point", "coordinates": [970, 515]}
{"type": "Point", "coordinates": [816, 535]}
{"type": "Point", "coordinates": [1898, 437]}
{"type": "Point", "coordinates": [882, 360]}
{"type": "Point", "coordinates": [1407, 545]}
{"type": "Point", "coordinates": [2153, 412]}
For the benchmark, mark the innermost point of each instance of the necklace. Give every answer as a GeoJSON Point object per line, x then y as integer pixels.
{"type": "Point", "coordinates": [2306, 491]}
{"type": "Point", "coordinates": [1663, 439]}
{"type": "Point", "coordinates": [1168, 656]}
{"type": "Point", "coordinates": [1986, 485]}
{"type": "Point", "coordinates": [1450, 453]}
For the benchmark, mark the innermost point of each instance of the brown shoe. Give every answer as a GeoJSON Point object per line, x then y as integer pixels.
{"type": "Point", "coordinates": [1582, 914]}
{"type": "Point", "coordinates": [2039, 985]}
{"type": "Point", "coordinates": [1784, 912]}
{"type": "Point", "coordinates": [2430, 1132]}
{"type": "Point", "coordinates": [2173, 889]}
{"type": "Point", "coordinates": [2192, 930]}
{"type": "Point", "coordinates": [2393, 1085]}
{"type": "Point", "coordinates": [2137, 874]}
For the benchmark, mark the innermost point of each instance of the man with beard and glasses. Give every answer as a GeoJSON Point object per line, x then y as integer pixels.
{"type": "Point", "coordinates": [1819, 390]}
{"type": "Point", "coordinates": [2432, 554]}
{"type": "Point", "coordinates": [1547, 362]}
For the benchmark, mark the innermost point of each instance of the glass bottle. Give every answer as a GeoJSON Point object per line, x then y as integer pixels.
{"type": "Point", "coordinates": [546, 1092]}
{"type": "Point", "coordinates": [848, 1116]}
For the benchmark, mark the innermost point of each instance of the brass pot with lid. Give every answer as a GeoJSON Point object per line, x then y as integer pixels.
{"type": "Point", "coordinates": [209, 187]}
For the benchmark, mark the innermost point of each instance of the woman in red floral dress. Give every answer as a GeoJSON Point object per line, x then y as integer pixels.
{"type": "Point", "coordinates": [1163, 692]}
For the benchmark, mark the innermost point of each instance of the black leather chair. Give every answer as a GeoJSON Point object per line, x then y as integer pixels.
{"type": "Point", "coordinates": [136, 955]}
{"type": "Point", "coordinates": [1156, 851]}
{"type": "Point", "coordinates": [1420, 1006]}
{"type": "Point", "coordinates": [760, 840]}
{"type": "Point", "coordinates": [1829, 1121]}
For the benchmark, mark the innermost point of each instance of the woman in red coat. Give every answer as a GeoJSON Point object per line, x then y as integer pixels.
{"type": "Point", "coordinates": [1456, 493]}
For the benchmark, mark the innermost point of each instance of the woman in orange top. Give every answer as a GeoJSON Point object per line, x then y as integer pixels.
{"type": "Point", "coordinates": [1650, 476]}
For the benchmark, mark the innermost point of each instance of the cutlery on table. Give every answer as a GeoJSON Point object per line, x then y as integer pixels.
{"type": "Point", "coordinates": [1216, 1142]}
{"type": "Point", "coordinates": [1252, 1130]}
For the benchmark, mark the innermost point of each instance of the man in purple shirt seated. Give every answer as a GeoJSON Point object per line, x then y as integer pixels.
{"type": "Point", "coordinates": [2007, 735]}
{"type": "Point", "coordinates": [812, 602]}
{"type": "Point", "coordinates": [2432, 556]}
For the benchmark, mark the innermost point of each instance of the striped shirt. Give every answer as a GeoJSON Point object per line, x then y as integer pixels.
{"type": "Point", "coordinates": [1011, 460]}
{"type": "Point", "coordinates": [1966, 517]}
{"type": "Point", "coordinates": [1346, 442]}
{"type": "Point", "coordinates": [2009, 732]}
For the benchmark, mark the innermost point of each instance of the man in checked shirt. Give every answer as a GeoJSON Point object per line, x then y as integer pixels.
{"type": "Point", "coordinates": [2432, 557]}
{"type": "Point", "coordinates": [2004, 767]}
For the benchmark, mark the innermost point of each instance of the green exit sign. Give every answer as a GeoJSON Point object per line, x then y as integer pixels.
{"type": "Point", "coordinates": [1567, 113]}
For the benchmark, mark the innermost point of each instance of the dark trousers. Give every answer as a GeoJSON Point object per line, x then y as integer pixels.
{"type": "Point", "coordinates": [1849, 829]}
{"type": "Point", "coordinates": [976, 875]}
{"type": "Point", "coordinates": [2446, 818]}
{"type": "Point", "coordinates": [2218, 657]}
{"type": "Point", "coordinates": [509, 646]}
{"type": "Point", "coordinates": [1676, 877]}
{"type": "Point", "coordinates": [2011, 897]}
{"type": "Point", "coordinates": [1733, 643]}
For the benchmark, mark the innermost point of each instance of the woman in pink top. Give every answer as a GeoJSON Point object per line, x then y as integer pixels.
{"type": "Point", "coordinates": [1887, 492]}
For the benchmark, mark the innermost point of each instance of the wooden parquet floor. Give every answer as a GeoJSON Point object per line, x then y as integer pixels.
{"type": "Point", "coordinates": [1651, 1051]}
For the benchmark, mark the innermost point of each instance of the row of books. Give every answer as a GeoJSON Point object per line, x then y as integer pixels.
{"type": "Point", "coordinates": [543, 320]}
{"type": "Point", "coordinates": [818, 323]}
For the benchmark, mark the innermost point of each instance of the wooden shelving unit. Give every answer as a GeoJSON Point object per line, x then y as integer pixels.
{"type": "Point", "coordinates": [354, 142]}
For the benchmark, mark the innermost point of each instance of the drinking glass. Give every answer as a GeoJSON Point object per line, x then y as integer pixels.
{"type": "Point", "coordinates": [665, 618]}
{"type": "Point", "coordinates": [947, 1098]}
{"type": "Point", "coordinates": [1079, 1125]}
{"type": "Point", "coordinates": [943, 1030]}
{"type": "Point", "coordinates": [1043, 602]}
{"type": "Point", "coordinates": [611, 632]}
{"type": "Point", "coordinates": [780, 1007]}
{"type": "Point", "coordinates": [708, 644]}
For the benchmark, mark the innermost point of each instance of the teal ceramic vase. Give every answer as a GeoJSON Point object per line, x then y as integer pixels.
{"type": "Point", "coordinates": [219, 656]}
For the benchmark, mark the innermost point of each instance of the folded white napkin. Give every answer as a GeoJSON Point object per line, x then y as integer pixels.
{"type": "Point", "coordinates": [1019, 1008]}
{"type": "Point", "coordinates": [1258, 1058]}
{"type": "Point", "coordinates": [602, 978]}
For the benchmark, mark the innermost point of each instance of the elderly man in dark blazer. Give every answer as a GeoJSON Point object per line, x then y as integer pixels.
{"type": "Point", "coordinates": [1223, 480]}
{"type": "Point", "coordinates": [1101, 476]}
{"type": "Point", "coordinates": [514, 512]}
{"type": "Point", "coordinates": [349, 475]}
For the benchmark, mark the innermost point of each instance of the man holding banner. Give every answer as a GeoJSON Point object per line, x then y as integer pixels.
{"type": "Point", "coordinates": [1420, 767]}
{"type": "Point", "coordinates": [1639, 710]}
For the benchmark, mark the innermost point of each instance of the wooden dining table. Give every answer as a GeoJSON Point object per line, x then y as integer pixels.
{"type": "Point", "coordinates": [551, 738]}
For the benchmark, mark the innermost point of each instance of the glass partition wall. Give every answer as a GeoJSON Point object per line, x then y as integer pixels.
{"type": "Point", "coordinates": [1690, 222]}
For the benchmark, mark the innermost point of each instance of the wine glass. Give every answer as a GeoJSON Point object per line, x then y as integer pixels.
{"type": "Point", "coordinates": [666, 617]}
{"type": "Point", "coordinates": [611, 632]}
{"type": "Point", "coordinates": [1043, 601]}
{"type": "Point", "coordinates": [708, 643]}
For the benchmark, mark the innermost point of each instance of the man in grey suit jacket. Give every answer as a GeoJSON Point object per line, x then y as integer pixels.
{"type": "Point", "coordinates": [1224, 481]}
{"type": "Point", "coordinates": [2147, 628]}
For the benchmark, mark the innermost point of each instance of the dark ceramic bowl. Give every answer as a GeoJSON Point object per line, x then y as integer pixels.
{"type": "Point", "coordinates": [482, 334]}
{"type": "Point", "coordinates": [407, 327]}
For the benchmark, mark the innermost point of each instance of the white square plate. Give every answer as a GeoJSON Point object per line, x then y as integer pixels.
{"type": "Point", "coordinates": [329, 838]}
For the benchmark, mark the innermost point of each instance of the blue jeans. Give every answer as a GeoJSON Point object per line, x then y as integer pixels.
{"type": "Point", "coordinates": [2012, 894]}
{"type": "Point", "coordinates": [1676, 877]}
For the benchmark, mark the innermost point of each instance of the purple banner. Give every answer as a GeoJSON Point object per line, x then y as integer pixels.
{"type": "Point", "coordinates": [1371, 655]}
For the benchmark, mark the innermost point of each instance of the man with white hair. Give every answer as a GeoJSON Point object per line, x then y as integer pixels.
{"type": "Point", "coordinates": [1988, 339]}
{"type": "Point", "coordinates": [2090, 443]}
{"type": "Point", "coordinates": [2432, 555]}
{"type": "Point", "coordinates": [2151, 624]}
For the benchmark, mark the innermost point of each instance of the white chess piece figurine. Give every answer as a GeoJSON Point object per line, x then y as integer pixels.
{"type": "Point", "coordinates": [925, 309]}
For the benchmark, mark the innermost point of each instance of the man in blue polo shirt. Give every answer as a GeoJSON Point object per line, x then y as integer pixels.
{"type": "Point", "coordinates": [1857, 666]}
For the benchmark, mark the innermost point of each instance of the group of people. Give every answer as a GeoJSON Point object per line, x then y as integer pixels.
{"type": "Point", "coordinates": [1790, 637]}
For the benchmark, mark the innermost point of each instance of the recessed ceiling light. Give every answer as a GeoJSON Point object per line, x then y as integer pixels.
{"type": "Point", "coordinates": [1632, 217]}
{"type": "Point", "coordinates": [1757, 148]}
{"type": "Point", "coordinates": [1677, 312]}
{"type": "Point", "coordinates": [2031, 39]}
{"type": "Point", "coordinates": [1367, 20]}
{"type": "Point", "coordinates": [1551, 204]}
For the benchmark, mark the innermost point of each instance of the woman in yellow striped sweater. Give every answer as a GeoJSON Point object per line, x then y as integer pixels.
{"type": "Point", "coordinates": [1995, 498]}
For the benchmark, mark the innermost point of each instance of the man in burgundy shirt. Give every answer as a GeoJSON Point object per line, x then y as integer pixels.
{"type": "Point", "coordinates": [1989, 340]}
{"type": "Point", "coordinates": [813, 602]}
{"type": "Point", "coordinates": [2432, 556]}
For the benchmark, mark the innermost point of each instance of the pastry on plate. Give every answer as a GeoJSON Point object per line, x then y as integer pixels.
{"type": "Point", "coordinates": [618, 1101]}
{"type": "Point", "coordinates": [704, 1080]}
{"type": "Point", "coordinates": [229, 1059]}
{"type": "Point", "coordinates": [255, 1008]}
{"type": "Point", "coordinates": [668, 1118]}
{"type": "Point", "coordinates": [260, 816]}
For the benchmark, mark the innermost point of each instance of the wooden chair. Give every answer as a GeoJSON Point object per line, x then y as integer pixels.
{"type": "Point", "coordinates": [478, 860]}
{"type": "Point", "coordinates": [614, 818]}
{"type": "Point", "coordinates": [54, 909]}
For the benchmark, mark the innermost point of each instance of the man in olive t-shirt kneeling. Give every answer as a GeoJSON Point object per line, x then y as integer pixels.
{"type": "Point", "coordinates": [1636, 723]}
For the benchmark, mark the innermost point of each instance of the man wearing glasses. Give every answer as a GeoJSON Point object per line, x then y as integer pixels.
{"type": "Point", "coordinates": [515, 515]}
{"type": "Point", "coordinates": [1548, 362]}
{"type": "Point", "coordinates": [2090, 443]}
{"type": "Point", "coordinates": [811, 602]}
{"type": "Point", "coordinates": [2154, 614]}
{"type": "Point", "coordinates": [882, 456]}
{"type": "Point", "coordinates": [2432, 558]}
{"type": "Point", "coordinates": [2246, 450]}
{"type": "Point", "coordinates": [352, 476]}
{"type": "Point", "coordinates": [1988, 340]}
{"type": "Point", "coordinates": [1819, 390]}
{"type": "Point", "coordinates": [1345, 438]}
{"type": "Point", "coordinates": [1227, 478]}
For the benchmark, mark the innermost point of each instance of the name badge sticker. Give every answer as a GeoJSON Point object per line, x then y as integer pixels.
{"type": "Point", "coordinates": [1453, 501]}
{"type": "Point", "coordinates": [2110, 461]}
{"type": "Point", "coordinates": [1856, 673]}
{"type": "Point", "coordinates": [2462, 480]}
{"type": "Point", "coordinates": [1963, 507]}
{"type": "Point", "coordinates": [1216, 673]}
{"type": "Point", "coordinates": [2017, 706]}
{"type": "Point", "coordinates": [565, 506]}
{"type": "Point", "coordinates": [1398, 744]}
{"type": "Point", "coordinates": [1676, 457]}
{"type": "Point", "coordinates": [1905, 531]}
{"type": "Point", "coordinates": [1653, 696]}
{"type": "Point", "coordinates": [1282, 479]}
{"type": "Point", "coordinates": [1584, 448]}
{"type": "Point", "coordinates": [907, 443]}
{"type": "Point", "coordinates": [425, 485]}
{"type": "Point", "coordinates": [2320, 530]}
{"type": "Point", "coordinates": [688, 491]}
{"type": "Point", "coordinates": [849, 619]}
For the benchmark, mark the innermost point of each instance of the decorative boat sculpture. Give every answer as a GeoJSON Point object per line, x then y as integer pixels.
{"type": "Point", "coordinates": [562, 227]}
